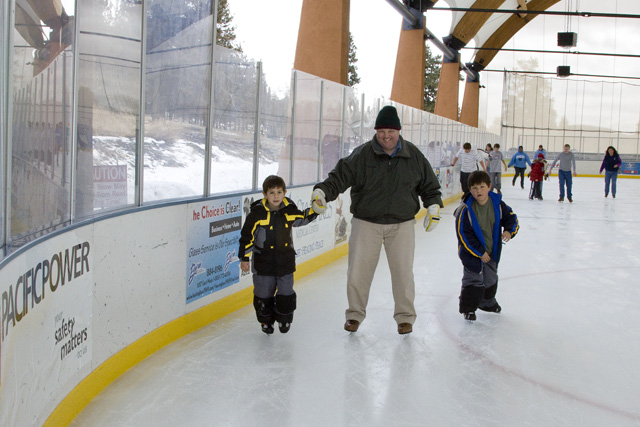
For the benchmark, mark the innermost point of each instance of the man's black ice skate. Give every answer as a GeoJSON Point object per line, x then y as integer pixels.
{"type": "Point", "coordinates": [471, 316]}
{"type": "Point", "coordinates": [267, 328]}
{"type": "Point", "coordinates": [492, 309]}
{"type": "Point", "coordinates": [284, 327]}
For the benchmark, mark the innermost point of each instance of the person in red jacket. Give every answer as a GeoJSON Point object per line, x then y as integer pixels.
{"type": "Point", "coordinates": [537, 174]}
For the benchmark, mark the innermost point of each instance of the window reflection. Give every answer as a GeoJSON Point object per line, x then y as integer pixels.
{"type": "Point", "coordinates": [178, 75]}
{"type": "Point", "coordinates": [234, 119]}
{"type": "Point", "coordinates": [41, 134]}
{"type": "Point", "coordinates": [108, 104]}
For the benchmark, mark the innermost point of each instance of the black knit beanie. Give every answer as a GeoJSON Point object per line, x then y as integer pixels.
{"type": "Point", "coordinates": [388, 118]}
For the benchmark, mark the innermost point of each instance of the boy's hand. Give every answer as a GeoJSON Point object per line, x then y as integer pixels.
{"type": "Point", "coordinates": [506, 236]}
{"type": "Point", "coordinates": [245, 266]}
{"type": "Point", "coordinates": [485, 257]}
{"type": "Point", "coordinates": [432, 218]}
{"type": "Point", "coordinates": [318, 201]}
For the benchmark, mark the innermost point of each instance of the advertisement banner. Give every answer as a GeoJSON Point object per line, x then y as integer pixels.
{"type": "Point", "coordinates": [449, 179]}
{"type": "Point", "coordinates": [630, 168]}
{"type": "Point", "coordinates": [213, 232]}
{"type": "Point", "coordinates": [316, 237]}
{"type": "Point", "coordinates": [45, 325]}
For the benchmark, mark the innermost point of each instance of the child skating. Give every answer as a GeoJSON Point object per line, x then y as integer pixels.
{"type": "Point", "coordinates": [537, 174]}
{"type": "Point", "coordinates": [266, 239]}
{"type": "Point", "coordinates": [483, 223]}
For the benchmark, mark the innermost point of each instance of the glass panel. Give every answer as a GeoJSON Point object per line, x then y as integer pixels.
{"type": "Point", "coordinates": [436, 147]}
{"type": "Point", "coordinates": [411, 125]}
{"type": "Point", "coordinates": [40, 136]}
{"type": "Point", "coordinates": [372, 107]}
{"type": "Point", "coordinates": [108, 104]}
{"type": "Point", "coordinates": [3, 143]}
{"type": "Point", "coordinates": [629, 108]}
{"type": "Point", "coordinates": [306, 129]}
{"type": "Point", "coordinates": [234, 119]}
{"type": "Point", "coordinates": [420, 130]}
{"type": "Point", "coordinates": [331, 126]}
{"type": "Point", "coordinates": [352, 121]}
{"type": "Point", "coordinates": [177, 88]}
{"type": "Point", "coordinates": [425, 129]}
{"type": "Point", "coordinates": [274, 119]}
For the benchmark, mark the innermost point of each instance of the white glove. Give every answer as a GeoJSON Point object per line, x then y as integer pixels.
{"type": "Point", "coordinates": [318, 201]}
{"type": "Point", "coordinates": [432, 218]}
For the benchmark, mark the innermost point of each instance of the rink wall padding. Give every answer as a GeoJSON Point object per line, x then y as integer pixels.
{"type": "Point", "coordinates": [82, 306]}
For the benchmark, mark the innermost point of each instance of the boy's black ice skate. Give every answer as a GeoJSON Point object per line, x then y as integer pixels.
{"type": "Point", "coordinates": [267, 328]}
{"type": "Point", "coordinates": [284, 327]}
{"type": "Point", "coordinates": [471, 316]}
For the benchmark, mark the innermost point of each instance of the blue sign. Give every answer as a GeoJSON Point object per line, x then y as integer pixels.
{"type": "Point", "coordinates": [630, 168]}
{"type": "Point", "coordinates": [212, 246]}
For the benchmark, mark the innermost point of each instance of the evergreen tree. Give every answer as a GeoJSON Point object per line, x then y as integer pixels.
{"type": "Point", "coordinates": [352, 70]}
{"type": "Point", "coordinates": [226, 35]}
{"type": "Point", "coordinates": [431, 79]}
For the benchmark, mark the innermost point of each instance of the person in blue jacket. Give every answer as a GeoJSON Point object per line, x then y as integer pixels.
{"type": "Point", "coordinates": [519, 161]}
{"type": "Point", "coordinates": [540, 150]}
{"type": "Point", "coordinates": [483, 222]}
{"type": "Point", "coordinates": [611, 165]}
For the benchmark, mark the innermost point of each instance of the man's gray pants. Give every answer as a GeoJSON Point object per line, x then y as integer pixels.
{"type": "Point", "coordinates": [365, 242]}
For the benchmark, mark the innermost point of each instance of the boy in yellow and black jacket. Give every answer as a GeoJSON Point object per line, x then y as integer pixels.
{"type": "Point", "coordinates": [266, 239]}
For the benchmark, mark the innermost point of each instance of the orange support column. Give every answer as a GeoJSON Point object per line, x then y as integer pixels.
{"type": "Point", "coordinates": [408, 78]}
{"type": "Point", "coordinates": [323, 39]}
{"type": "Point", "coordinates": [470, 102]}
{"type": "Point", "coordinates": [447, 98]}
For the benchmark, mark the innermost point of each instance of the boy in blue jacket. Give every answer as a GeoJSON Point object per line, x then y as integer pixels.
{"type": "Point", "coordinates": [266, 239]}
{"type": "Point", "coordinates": [483, 222]}
{"type": "Point", "coordinates": [519, 161]}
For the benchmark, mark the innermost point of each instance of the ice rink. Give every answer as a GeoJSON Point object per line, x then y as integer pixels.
{"type": "Point", "coordinates": [565, 350]}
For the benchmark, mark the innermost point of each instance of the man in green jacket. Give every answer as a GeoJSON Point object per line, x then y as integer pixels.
{"type": "Point", "coordinates": [386, 175]}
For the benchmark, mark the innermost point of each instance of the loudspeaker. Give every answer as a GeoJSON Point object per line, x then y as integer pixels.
{"type": "Point", "coordinates": [563, 71]}
{"type": "Point", "coordinates": [567, 39]}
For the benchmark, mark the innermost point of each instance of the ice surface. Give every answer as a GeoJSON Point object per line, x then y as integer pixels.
{"type": "Point", "coordinates": [563, 352]}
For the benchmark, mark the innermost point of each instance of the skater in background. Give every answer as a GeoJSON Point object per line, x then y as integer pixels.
{"type": "Point", "coordinates": [540, 150]}
{"type": "Point", "coordinates": [487, 150]}
{"type": "Point", "coordinates": [611, 164]}
{"type": "Point", "coordinates": [537, 175]}
{"type": "Point", "coordinates": [386, 175]}
{"type": "Point", "coordinates": [495, 158]}
{"type": "Point", "coordinates": [266, 240]}
{"type": "Point", "coordinates": [469, 160]}
{"type": "Point", "coordinates": [567, 161]}
{"type": "Point", "coordinates": [483, 222]}
{"type": "Point", "coordinates": [519, 161]}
